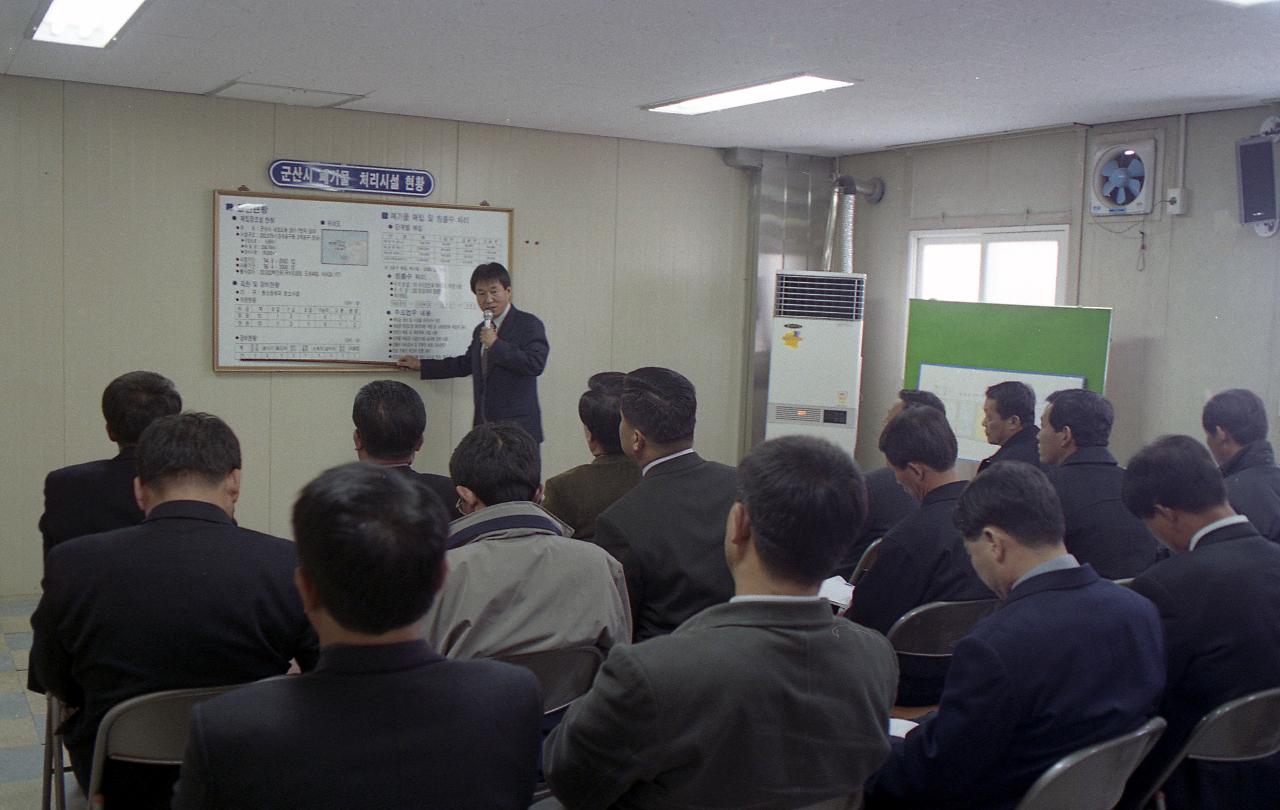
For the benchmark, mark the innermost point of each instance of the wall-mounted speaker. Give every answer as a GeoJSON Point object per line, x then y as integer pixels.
{"type": "Point", "coordinates": [1256, 165]}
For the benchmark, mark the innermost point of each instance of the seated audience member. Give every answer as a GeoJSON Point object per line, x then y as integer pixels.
{"type": "Point", "coordinates": [391, 421]}
{"type": "Point", "coordinates": [887, 502]}
{"type": "Point", "coordinates": [185, 599]}
{"type": "Point", "coordinates": [1235, 427]}
{"type": "Point", "coordinates": [1220, 605]}
{"type": "Point", "coordinates": [517, 582]}
{"type": "Point", "coordinates": [97, 496]}
{"type": "Point", "coordinates": [922, 559]}
{"type": "Point", "coordinates": [766, 701]}
{"type": "Point", "coordinates": [667, 531]}
{"type": "Point", "coordinates": [383, 721]}
{"type": "Point", "coordinates": [1074, 431]}
{"type": "Point", "coordinates": [1069, 659]}
{"type": "Point", "coordinates": [579, 496]}
{"type": "Point", "coordinates": [1009, 420]}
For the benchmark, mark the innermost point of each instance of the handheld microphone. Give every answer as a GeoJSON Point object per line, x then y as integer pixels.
{"type": "Point", "coordinates": [488, 319]}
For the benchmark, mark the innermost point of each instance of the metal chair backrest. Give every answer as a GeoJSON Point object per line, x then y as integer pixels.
{"type": "Point", "coordinates": [867, 559]}
{"type": "Point", "coordinates": [1093, 778]}
{"type": "Point", "coordinates": [565, 674]}
{"type": "Point", "coordinates": [933, 630]}
{"type": "Point", "coordinates": [150, 729]}
{"type": "Point", "coordinates": [1238, 730]}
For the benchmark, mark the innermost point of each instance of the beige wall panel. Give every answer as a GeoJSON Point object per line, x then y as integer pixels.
{"type": "Point", "coordinates": [949, 181]}
{"type": "Point", "coordinates": [682, 279]}
{"type": "Point", "coordinates": [1032, 174]}
{"type": "Point", "coordinates": [31, 365]}
{"type": "Point", "coordinates": [564, 192]}
{"type": "Point", "coordinates": [880, 251]}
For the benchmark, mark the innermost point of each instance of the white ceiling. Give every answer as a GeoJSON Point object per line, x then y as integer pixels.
{"type": "Point", "coordinates": [927, 69]}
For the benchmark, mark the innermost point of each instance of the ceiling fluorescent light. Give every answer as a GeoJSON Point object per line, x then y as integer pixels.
{"type": "Point", "coordinates": [91, 23]}
{"type": "Point", "coordinates": [769, 91]}
{"type": "Point", "coordinates": [1246, 3]}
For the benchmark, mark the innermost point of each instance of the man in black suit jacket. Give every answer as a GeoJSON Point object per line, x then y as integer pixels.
{"type": "Point", "coordinates": [1009, 420]}
{"type": "Point", "coordinates": [1235, 428]}
{"type": "Point", "coordinates": [391, 421]}
{"type": "Point", "coordinates": [507, 353]}
{"type": "Point", "coordinates": [667, 532]}
{"type": "Point", "coordinates": [1068, 660]}
{"type": "Point", "coordinates": [185, 599]}
{"type": "Point", "coordinates": [383, 720]}
{"type": "Point", "coordinates": [1220, 606]}
{"type": "Point", "coordinates": [97, 496]}
{"type": "Point", "coordinates": [1074, 430]}
{"type": "Point", "coordinates": [923, 559]}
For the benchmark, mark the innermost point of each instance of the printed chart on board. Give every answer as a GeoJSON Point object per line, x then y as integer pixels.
{"type": "Point", "coordinates": [320, 280]}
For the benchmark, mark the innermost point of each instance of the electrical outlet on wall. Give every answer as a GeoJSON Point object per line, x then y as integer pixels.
{"type": "Point", "coordinates": [1177, 201]}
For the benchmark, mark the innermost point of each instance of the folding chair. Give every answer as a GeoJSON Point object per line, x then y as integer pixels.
{"type": "Point", "coordinates": [54, 786]}
{"type": "Point", "coordinates": [1237, 731]}
{"type": "Point", "coordinates": [933, 630]}
{"type": "Point", "coordinates": [150, 729]}
{"type": "Point", "coordinates": [865, 562]}
{"type": "Point", "coordinates": [1093, 778]}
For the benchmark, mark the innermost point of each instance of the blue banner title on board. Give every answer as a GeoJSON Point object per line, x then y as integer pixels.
{"type": "Point", "coordinates": [350, 177]}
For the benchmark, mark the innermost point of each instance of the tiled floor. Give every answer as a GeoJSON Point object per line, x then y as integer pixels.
{"type": "Point", "coordinates": [21, 713]}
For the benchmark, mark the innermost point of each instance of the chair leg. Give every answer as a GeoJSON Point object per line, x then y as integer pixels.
{"type": "Point", "coordinates": [47, 769]}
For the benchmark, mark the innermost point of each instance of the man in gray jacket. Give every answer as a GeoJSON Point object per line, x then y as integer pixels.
{"type": "Point", "coordinates": [767, 701]}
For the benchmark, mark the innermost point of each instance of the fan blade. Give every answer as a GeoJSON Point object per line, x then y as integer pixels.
{"type": "Point", "coordinates": [1137, 169]}
{"type": "Point", "coordinates": [1121, 196]}
{"type": "Point", "coordinates": [1135, 186]}
{"type": "Point", "coordinates": [1111, 168]}
{"type": "Point", "coordinates": [1109, 187]}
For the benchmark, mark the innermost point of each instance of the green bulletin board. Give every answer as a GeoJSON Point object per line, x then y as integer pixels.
{"type": "Point", "coordinates": [1070, 341]}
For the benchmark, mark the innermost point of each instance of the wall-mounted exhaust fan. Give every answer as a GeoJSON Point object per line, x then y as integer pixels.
{"type": "Point", "coordinates": [1124, 178]}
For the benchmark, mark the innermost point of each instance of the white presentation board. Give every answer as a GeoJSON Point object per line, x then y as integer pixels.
{"type": "Point", "coordinates": [309, 283]}
{"type": "Point", "coordinates": [963, 390]}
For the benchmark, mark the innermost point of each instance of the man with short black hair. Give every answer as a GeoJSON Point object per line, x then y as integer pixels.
{"type": "Point", "coordinates": [1235, 428]}
{"type": "Point", "coordinates": [579, 495]}
{"type": "Point", "coordinates": [922, 559]}
{"type": "Point", "coordinates": [667, 531]}
{"type": "Point", "coordinates": [185, 599]}
{"type": "Point", "coordinates": [1068, 660]}
{"type": "Point", "coordinates": [1220, 607]}
{"type": "Point", "coordinates": [1009, 420]}
{"type": "Point", "coordinates": [97, 496]}
{"type": "Point", "coordinates": [887, 502]}
{"type": "Point", "coordinates": [766, 701]}
{"type": "Point", "coordinates": [391, 420]}
{"type": "Point", "coordinates": [384, 720]}
{"type": "Point", "coordinates": [1074, 431]}
{"type": "Point", "coordinates": [508, 352]}
{"type": "Point", "coordinates": [518, 583]}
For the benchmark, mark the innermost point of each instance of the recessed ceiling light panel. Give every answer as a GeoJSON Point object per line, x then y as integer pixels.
{"type": "Point", "coordinates": [91, 23]}
{"type": "Point", "coordinates": [755, 94]}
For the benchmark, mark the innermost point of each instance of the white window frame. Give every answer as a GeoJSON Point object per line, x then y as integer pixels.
{"type": "Point", "coordinates": [985, 236]}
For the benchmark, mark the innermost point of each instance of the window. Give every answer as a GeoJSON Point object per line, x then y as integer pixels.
{"type": "Point", "coordinates": [1026, 265]}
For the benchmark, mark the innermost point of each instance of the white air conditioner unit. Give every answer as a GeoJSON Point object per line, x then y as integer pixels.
{"type": "Point", "coordinates": [1124, 179]}
{"type": "Point", "coordinates": [815, 358]}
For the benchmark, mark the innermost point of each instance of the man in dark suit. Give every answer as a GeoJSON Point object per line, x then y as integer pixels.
{"type": "Point", "coordinates": [97, 496]}
{"type": "Point", "coordinates": [1074, 430]}
{"type": "Point", "coordinates": [391, 421]}
{"type": "Point", "coordinates": [1009, 420]}
{"type": "Point", "coordinates": [1068, 660]}
{"type": "Point", "coordinates": [1220, 606]}
{"type": "Point", "coordinates": [667, 531]}
{"type": "Point", "coordinates": [887, 502]}
{"type": "Point", "coordinates": [922, 559]}
{"type": "Point", "coordinates": [579, 495]}
{"type": "Point", "coordinates": [1235, 428]}
{"type": "Point", "coordinates": [768, 701]}
{"type": "Point", "coordinates": [185, 599]}
{"type": "Point", "coordinates": [383, 721]}
{"type": "Point", "coordinates": [507, 353]}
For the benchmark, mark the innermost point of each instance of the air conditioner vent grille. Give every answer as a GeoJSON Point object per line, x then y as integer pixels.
{"type": "Point", "coordinates": [797, 413]}
{"type": "Point", "coordinates": [829, 296]}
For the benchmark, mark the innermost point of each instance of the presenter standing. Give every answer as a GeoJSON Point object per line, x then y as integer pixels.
{"type": "Point", "coordinates": [507, 353]}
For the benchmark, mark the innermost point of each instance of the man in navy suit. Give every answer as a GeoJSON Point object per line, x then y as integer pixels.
{"type": "Point", "coordinates": [1235, 428]}
{"type": "Point", "coordinates": [391, 421]}
{"type": "Point", "coordinates": [1009, 420]}
{"type": "Point", "coordinates": [97, 496]}
{"type": "Point", "coordinates": [1220, 605]}
{"type": "Point", "coordinates": [507, 353]}
{"type": "Point", "coordinates": [384, 720]}
{"type": "Point", "coordinates": [1070, 659]}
